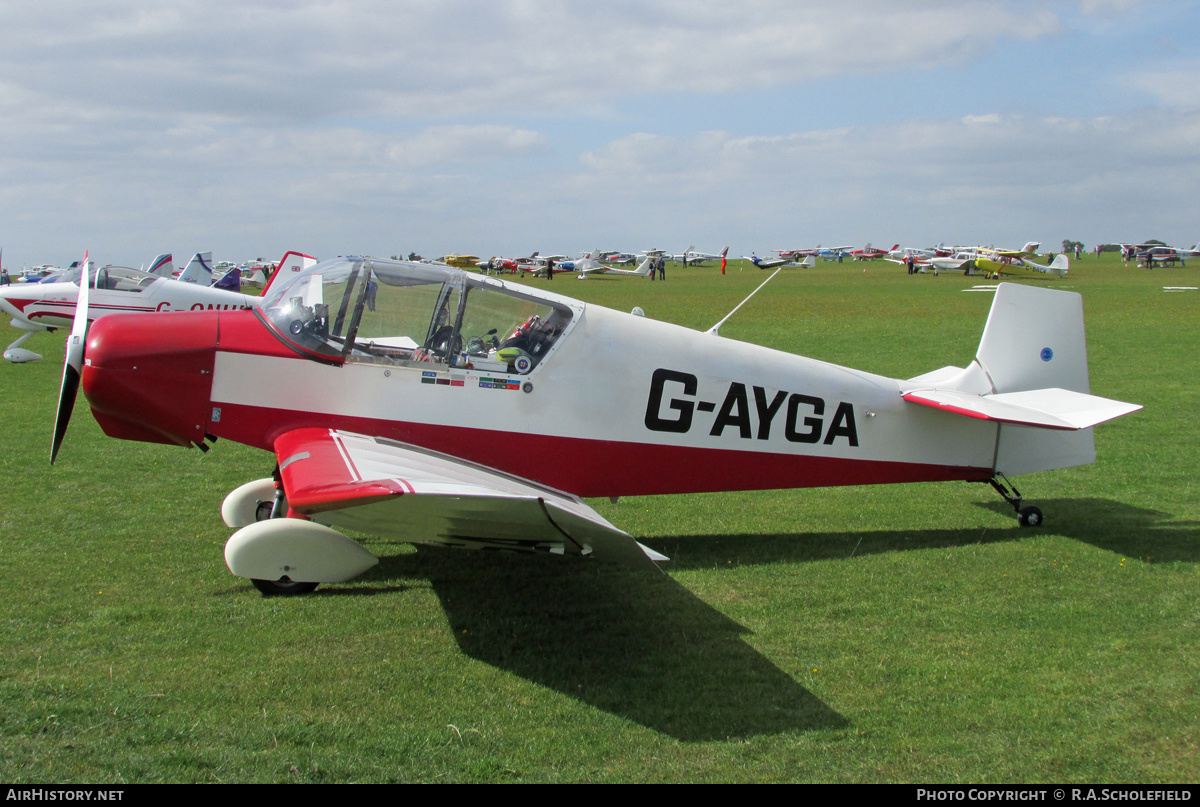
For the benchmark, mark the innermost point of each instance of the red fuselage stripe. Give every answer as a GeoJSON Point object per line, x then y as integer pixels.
{"type": "Point", "coordinates": [588, 467]}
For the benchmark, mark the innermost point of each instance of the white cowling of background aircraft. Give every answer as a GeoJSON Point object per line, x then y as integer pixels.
{"type": "Point", "coordinates": [430, 405]}
{"type": "Point", "coordinates": [39, 307]}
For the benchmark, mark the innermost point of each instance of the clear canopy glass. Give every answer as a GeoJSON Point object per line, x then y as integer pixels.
{"type": "Point", "coordinates": [402, 313]}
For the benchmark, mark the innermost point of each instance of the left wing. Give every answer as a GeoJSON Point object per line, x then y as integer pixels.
{"type": "Point", "coordinates": [406, 493]}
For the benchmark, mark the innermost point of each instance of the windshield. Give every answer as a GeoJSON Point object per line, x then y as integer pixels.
{"type": "Point", "coordinates": [399, 313]}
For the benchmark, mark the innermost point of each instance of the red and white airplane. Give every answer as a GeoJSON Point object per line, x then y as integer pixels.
{"type": "Point", "coordinates": [870, 253]}
{"type": "Point", "coordinates": [430, 405]}
{"type": "Point", "coordinates": [37, 307]}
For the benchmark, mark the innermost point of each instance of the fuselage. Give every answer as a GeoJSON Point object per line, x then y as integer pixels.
{"type": "Point", "coordinates": [52, 305]}
{"type": "Point", "coordinates": [619, 405]}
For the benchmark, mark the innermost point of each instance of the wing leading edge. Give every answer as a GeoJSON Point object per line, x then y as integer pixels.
{"type": "Point", "coordinates": [406, 493]}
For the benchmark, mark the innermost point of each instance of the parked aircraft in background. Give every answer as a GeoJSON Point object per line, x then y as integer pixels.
{"type": "Point", "coordinates": [824, 253]}
{"type": "Point", "coordinates": [774, 263]}
{"type": "Point", "coordinates": [998, 262]}
{"type": "Point", "coordinates": [588, 265]}
{"type": "Point", "coordinates": [693, 258]}
{"type": "Point", "coordinates": [430, 405]}
{"type": "Point", "coordinates": [115, 289]}
{"type": "Point", "coordinates": [870, 253]}
{"type": "Point", "coordinates": [958, 262]}
{"type": "Point", "coordinates": [1152, 255]}
{"type": "Point", "coordinates": [536, 265]}
{"type": "Point", "coordinates": [461, 261]}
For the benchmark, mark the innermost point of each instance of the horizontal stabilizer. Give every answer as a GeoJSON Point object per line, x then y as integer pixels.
{"type": "Point", "coordinates": [1044, 408]}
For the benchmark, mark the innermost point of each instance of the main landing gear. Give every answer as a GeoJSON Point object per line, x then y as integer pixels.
{"type": "Point", "coordinates": [1029, 516]}
{"type": "Point", "coordinates": [284, 586]}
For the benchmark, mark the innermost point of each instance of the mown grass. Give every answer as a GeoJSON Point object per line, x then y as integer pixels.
{"type": "Point", "coordinates": [902, 633]}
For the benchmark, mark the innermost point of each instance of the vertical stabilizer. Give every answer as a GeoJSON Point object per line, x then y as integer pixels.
{"type": "Point", "coordinates": [163, 266]}
{"type": "Point", "coordinates": [199, 270]}
{"type": "Point", "coordinates": [1034, 339]}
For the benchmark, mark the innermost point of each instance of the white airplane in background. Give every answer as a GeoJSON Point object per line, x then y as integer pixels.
{"type": "Point", "coordinates": [690, 257]}
{"type": "Point", "coordinates": [1160, 254]}
{"type": "Point", "coordinates": [783, 260]}
{"type": "Point", "coordinates": [38, 307]}
{"type": "Point", "coordinates": [430, 405]}
{"type": "Point", "coordinates": [199, 270]}
{"type": "Point", "coordinates": [937, 260]}
{"type": "Point", "coordinates": [588, 266]}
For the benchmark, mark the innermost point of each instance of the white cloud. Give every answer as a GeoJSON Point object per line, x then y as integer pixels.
{"type": "Point", "coordinates": [1176, 88]}
{"type": "Point", "coordinates": [262, 61]}
{"type": "Point", "coordinates": [981, 178]}
{"type": "Point", "coordinates": [347, 124]}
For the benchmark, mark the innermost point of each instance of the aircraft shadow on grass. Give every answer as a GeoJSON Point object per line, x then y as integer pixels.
{"type": "Point", "coordinates": [1137, 532]}
{"type": "Point", "coordinates": [637, 645]}
{"type": "Point", "coordinates": [643, 647]}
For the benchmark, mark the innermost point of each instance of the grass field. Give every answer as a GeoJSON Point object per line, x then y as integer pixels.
{"type": "Point", "coordinates": [907, 633]}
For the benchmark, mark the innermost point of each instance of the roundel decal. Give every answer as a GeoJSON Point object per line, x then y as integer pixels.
{"type": "Point", "coordinates": [1047, 354]}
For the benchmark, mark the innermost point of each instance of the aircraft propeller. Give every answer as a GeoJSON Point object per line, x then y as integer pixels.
{"type": "Point", "coordinates": [73, 363]}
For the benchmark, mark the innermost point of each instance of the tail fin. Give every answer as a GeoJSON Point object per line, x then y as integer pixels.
{"type": "Point", "coordinates": [199, 269]}
{"type": "Point", "coordinates": [163, 265]}
{"type": "Point", "coordinates": [1034, 339]}
{"type": "Point", "coordinates": [1031, 247]}
{"type": "Point", "coordinates": [1059, 266]}
{"type": "Point", "coordinates": [230, 281]}
{"type": "Point", "coordinates": [1030, 376]}
{"type": "Point", "coordinates": [290, 262]}
{"type": "Point", "coordinates": [645, 268]}
{"type": "Point", "coordinates": [809, 262]}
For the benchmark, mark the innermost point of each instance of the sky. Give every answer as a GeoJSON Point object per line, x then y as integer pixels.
{"type": "Point", "coordinates": [500, 127]}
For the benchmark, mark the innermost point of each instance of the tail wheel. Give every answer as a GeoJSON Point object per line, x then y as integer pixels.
{"type": "Point", "coordinates": [1029, 517]}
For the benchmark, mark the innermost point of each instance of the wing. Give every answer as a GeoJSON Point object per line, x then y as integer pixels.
{"type": "Point", "coordinates": [411, 494]}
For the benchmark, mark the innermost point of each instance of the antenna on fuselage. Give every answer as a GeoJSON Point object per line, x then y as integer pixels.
{"type": "Point", "coordinates": [713, 330]}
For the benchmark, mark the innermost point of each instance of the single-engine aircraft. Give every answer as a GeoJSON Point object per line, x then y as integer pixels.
{"type": "Point", "coordinates": [590, 265]}
{"type": "Point", "coordinates": [690, 257]}
{"type": "Point", "coordinates": [431, 405]}
{"type": "Point", "coordinates": [1156, 254]}
{"type": "Point", "coordinates": [783, 260]}
{"type": "Point", "coordinates": [461, 261]}
{"type": "Point", "coordinates": [870, 253]}
{"type": "Point", "coordinates": [998, 262]}
{"type": "Point", "coordinates": [117, 289]}
{"type": "Point", "coordinates": [37, 307]}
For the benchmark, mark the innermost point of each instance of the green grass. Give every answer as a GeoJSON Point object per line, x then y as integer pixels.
{"type": "Point", "coordinates": [900, 633]}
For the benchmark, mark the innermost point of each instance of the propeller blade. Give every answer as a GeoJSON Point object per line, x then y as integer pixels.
{"type": "Point", "coordinates": [73, 363]}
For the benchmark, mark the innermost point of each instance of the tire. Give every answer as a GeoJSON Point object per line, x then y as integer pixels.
{"type": "Point", "coordinates": [1029, 517]}
{"type": "Point", "coordinates": [283, 587]}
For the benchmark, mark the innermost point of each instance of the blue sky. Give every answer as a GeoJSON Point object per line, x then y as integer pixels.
{"type": "Point", "coordinates": [364, 126]}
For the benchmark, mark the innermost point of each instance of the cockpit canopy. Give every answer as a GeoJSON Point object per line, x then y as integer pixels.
{"type": "Point", "coordinates": [401, 313]}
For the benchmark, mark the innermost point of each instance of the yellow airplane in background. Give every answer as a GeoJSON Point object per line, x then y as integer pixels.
{"type": "Point", "coordinates": [462, 261]}
{"type": "Point", "coordinates": [996, 262]}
